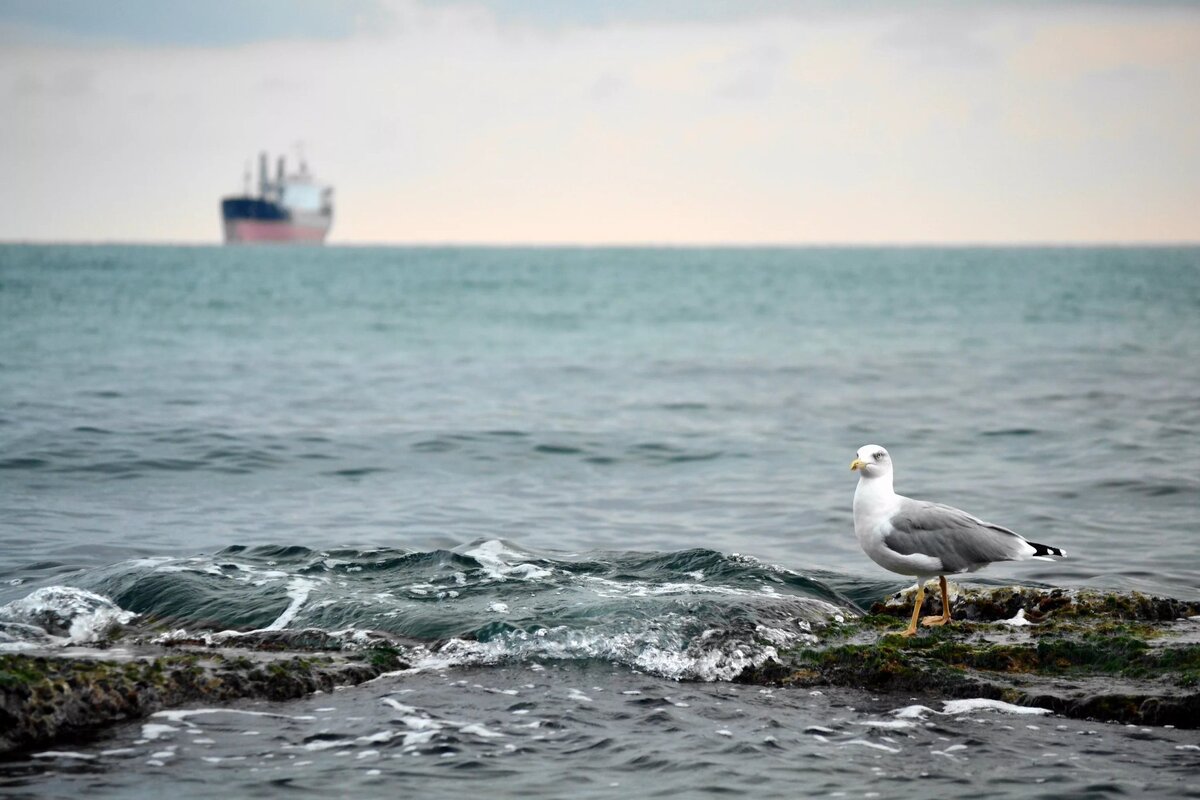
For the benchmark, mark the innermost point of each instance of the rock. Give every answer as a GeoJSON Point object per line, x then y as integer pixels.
{"type": "Point", "coordinates": [1129, 658]}
{"type": "Point", "coordinates": [54, 695]}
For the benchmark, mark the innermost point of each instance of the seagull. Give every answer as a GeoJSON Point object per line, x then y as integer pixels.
{"type": "Point", "coordinates": [913, 537]}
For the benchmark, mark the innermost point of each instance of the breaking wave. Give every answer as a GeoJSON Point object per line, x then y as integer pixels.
{"type": "Point", "coordinates": [693, 614]}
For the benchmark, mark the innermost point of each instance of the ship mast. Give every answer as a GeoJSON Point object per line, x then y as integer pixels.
{"type": "Point", "coordinates": [263, 178]}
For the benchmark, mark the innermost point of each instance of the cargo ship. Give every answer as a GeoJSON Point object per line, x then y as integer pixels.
{"type": "Point", "coordinates": [291, 208]}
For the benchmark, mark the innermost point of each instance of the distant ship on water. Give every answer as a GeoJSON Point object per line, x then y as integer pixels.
{"type": "Point", "coordinates": [291, 208]}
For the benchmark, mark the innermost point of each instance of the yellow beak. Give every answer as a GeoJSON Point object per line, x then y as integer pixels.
{"type": "Point", "coordinates": [856, 464]}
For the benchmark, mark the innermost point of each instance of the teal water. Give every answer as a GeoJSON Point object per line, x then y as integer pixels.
{"type": "Point", "coordinates": [629, 459]}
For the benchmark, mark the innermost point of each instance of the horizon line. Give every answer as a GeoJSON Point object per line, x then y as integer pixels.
{"type": "Point", "coordinates": [549, 245]}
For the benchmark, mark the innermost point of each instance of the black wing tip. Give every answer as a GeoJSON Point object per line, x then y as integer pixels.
{"type": "Point", "coordinates": [1042, 550]}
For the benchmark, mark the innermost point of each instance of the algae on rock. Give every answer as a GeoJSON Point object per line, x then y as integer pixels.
{"type": "Point", "coordinates": [1128, 658]}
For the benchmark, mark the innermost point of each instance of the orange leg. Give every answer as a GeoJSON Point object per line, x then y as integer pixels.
{"type": "Point", "coordinates": [912, 625]}
{"type": "Point", "coordinates": [945, 617]}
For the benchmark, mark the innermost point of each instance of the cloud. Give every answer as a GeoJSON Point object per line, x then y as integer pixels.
{"type": "Point", "coordinates": [453, 122]}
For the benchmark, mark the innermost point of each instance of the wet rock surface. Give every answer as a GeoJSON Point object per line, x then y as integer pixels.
{"type": "Point", "coordinates": [54, 695]}
{"type": "Point", "coordinates": [1127, 658]}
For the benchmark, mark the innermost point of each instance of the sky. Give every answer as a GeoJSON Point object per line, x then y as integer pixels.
{"type": "Point", "coordinates": [666, 122]}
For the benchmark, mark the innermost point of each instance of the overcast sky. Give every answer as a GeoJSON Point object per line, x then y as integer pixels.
{"type": "Point", "coordinates": [609, 121]}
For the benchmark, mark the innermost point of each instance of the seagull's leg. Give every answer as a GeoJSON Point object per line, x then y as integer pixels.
{"type": "Point", "coordinates": [945, 617]}
{"type": "Point", "coordinates": [912, 625]}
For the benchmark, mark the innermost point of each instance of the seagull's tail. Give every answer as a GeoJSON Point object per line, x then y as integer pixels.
{"type": "Point", "coordinates": [1045, 551]}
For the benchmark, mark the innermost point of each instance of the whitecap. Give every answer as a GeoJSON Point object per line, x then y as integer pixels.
{"type": "Point", "coordinates": [66, 614]}
{"type": "Point", "coordinates": [181, 714]}
{"type": "Point", "coordinates": [401, 707]}
{"type": "Point", "coordinates": [475, 729]}
{"type": "Point", "coordinates": [979, 703]}
{"type": "Point", "coordinates": [501, 562]}
{"type": "Point", "coordinates": [299, 590]}
{"type": "Point", "coordinates": [886, 724]}
{"type": "Point", "coordinates": [63, 754]}
{"type": "Point", "coordinates": [324, 744]}
{"type": "Point", "coordinates": [966, 706]}
{"type": "Point", "coordinates": [874, 745]}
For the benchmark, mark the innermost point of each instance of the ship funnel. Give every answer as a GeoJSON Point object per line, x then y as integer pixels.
{"type": "Point", "coordinates": [263, 180]}
{"type": "Point", "coordinates": [279, 167]}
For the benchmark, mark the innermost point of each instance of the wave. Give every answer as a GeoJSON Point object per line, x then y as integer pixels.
{"type": "Point", "coordinates": [692, 614]}
{"type": "Point", "coordinates": [59, 615]}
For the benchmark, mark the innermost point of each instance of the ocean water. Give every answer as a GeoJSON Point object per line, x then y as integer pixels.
{"type": "Point", "coordinates": [590, 486]}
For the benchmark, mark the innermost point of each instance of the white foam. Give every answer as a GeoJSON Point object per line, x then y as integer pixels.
{"type": "Point", "coordinates": [152, 731]}
{"type": "Point", "coordinates": [874, 745]}
{"type": "Point", "coordinates": [171, 636]}
{"type": "Point", "coordinates": [661, 650]}
{"type": "Point", "coordinates": [398, 706]}
{"type": "Point", "coordinates": [501, 562]}
{"type": "Point", "coordinates": [913, 712]}
{"type": "Point", "coordinates": [886, 724]}
{"type": "Point", "coordinates": [298, 589]}
{"type": "Point", "coordinates": [181, 714]}
{"type": "Point", "coordinates": [1017, 621]}
{"type": "Point", "coordinates": [950, 707]}
{"type": "Point", "coordinates": [324, 744]}
{"type": "Point", "coordinates": [979, 704]}
{"type": "Point", "coordinates": [63, 754]}
{"type": "Point", "coordinates": [17, 647]}
{"type": "Point", "coordinates": [85, 617]}
{"type": "Point", "coordinates": [475, 729]}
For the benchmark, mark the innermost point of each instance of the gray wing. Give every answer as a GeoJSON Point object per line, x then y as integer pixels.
{"type": "Point", "coordinates": [961, 541]}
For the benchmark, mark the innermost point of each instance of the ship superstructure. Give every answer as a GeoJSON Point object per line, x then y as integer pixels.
{"type": "Point", "coordinates": [291, 208]}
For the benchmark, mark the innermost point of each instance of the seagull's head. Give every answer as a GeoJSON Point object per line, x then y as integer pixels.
{"type": "Point", "coordinates": [872, 462]}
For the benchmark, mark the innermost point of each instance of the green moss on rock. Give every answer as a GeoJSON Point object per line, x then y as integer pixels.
{"type": "Point", "coordinates": [1106, 656]}
{"type": "Point", "coordinates": [45, 697]}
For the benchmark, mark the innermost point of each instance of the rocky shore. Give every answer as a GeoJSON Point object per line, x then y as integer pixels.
{"type": "Point", "coordinates": [1126, 658]}
{"type": "Point", "coordinates": [52, 696]}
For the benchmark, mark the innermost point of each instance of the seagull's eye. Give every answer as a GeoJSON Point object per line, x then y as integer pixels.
{"type": "Point", "coordinates": [879, 456]}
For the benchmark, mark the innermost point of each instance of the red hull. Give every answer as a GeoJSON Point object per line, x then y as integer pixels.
{"type": "Point", "coordinates": [252, 230]}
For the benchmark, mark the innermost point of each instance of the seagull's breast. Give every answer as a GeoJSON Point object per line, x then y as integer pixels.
{"type": "Point", "coordinates": [874, 505]}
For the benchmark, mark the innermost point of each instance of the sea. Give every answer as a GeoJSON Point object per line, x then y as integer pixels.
{"type": "Point", "coordinates": [591, 486]}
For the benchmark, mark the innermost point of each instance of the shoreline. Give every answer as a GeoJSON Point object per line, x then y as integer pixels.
{"type": "Point", "coordinates": [1126, 658]}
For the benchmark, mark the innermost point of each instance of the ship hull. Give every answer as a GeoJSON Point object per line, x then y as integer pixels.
{"type": "Point", "coordinates": [260, 231]}
{"type": "Point", "coordinates": [252, 220]}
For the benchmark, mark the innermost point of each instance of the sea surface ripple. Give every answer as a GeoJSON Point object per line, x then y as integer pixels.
{"type": "Point", "coordinates": [582, 473]}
